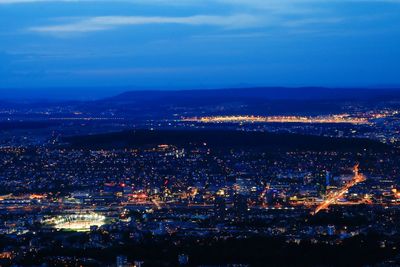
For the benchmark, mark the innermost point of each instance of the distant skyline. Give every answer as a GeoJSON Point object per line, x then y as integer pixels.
{"type": "Point", "coordinates": [187, 44]}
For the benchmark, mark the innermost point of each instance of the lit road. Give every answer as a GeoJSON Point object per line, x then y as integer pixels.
{"type": "Point", "coordinates": [358, 178]}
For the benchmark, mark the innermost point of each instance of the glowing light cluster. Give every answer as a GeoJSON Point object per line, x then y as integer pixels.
{"type": "Point", "coordinates": [77, 222]}
{"type": "Point", "coordinates": [340, 118]}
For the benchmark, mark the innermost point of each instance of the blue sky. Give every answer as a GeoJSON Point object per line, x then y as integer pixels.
{"type": "Point", "coordinates": [170, 44]}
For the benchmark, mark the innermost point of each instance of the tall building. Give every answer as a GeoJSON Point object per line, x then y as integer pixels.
{"type": "Point", "coordinates": [327, 178]}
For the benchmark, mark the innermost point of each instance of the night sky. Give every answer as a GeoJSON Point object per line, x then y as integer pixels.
{"type": "Point", "coordinates": [184, 44]}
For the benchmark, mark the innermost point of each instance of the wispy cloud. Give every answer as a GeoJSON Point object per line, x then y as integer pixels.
{"type": "Point", "coordinates": [242, 14]}
{"type": "Point", "coordinates": [307, 21]}
{"type": "Point", "coordinates": [109, 22]}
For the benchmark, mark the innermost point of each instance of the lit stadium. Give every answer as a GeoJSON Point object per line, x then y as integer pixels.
{"type": "Point", "coordinates": [77, 222]}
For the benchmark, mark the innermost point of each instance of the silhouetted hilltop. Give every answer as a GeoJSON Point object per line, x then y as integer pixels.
{"type": "Point", "coordinates": [266, 93]}
{"type": "Point", "coordinates": [256, 101]}
{"type": "Point", "coordinates": [144, 105]}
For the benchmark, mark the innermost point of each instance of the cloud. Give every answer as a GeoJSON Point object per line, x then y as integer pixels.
{"type": "Point", "coordinates": [109, 22]}
{"type": "Point", "coordinates": [244, 14]}
{"type": "Point", "coordinates": [307, 21]}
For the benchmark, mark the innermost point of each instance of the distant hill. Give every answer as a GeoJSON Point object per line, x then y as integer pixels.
{"type": "Point", "coordinates": [255, 101]}
{"type": "Point", "coordinates": [266, 93]}
{"type": "Point", "coordinates": [162, 104]}
{"type": "Point", "coordinates": [223, 139]}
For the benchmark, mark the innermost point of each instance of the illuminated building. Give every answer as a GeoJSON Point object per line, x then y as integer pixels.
{"type": "Point", "coordinates": [77, 222]}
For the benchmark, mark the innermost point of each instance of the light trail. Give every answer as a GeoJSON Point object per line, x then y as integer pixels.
{"type": "Point", "coordinates": [156, 203]}
{"type": "Point", "coordinates": [339, 118]}
{"type": "Point", "coordinates": [333, 197]}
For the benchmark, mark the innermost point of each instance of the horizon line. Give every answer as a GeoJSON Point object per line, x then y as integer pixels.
{"type": "Point", "coordinates": [107, 91]}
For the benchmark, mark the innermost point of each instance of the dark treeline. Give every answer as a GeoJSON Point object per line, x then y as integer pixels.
{"type": "Point", "coordinates": [24, 125]}
{"type": "Point", "coordinates": [223, 140]}
{"type": "Point", "coordinates": [255, 251]}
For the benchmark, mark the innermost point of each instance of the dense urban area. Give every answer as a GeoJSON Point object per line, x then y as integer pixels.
{"type": "Point", "coordinates": [126, 183]}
